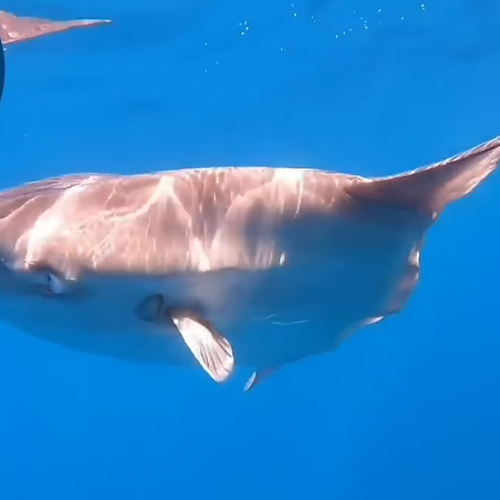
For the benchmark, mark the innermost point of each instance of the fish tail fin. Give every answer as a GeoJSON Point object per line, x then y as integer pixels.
{"type": "Point", "coordinates": [432, 188]}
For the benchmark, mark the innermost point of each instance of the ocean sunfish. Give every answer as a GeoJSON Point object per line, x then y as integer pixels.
{"type": "Point", "coordinates": [247, 266]}
{"type": "Point", "coordinates": [15, 29]}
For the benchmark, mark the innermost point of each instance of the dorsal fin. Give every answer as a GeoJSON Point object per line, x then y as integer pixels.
{"type": "Point", "coordinates": [432, 188]}
{"type": "Point", "coordinates": [15, 29]}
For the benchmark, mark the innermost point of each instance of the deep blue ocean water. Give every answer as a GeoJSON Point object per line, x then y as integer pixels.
{"type": "Point", "coordinates": [408, 410]}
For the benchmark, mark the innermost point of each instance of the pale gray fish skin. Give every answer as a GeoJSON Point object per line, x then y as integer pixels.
{"type": "Point", "coordinates": [285, 262]}
{"type": "Point", "coordinates": [16, 29]}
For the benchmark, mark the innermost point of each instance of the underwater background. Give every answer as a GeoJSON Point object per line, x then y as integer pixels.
{"type": "Point", "coordinates": [406, 410]}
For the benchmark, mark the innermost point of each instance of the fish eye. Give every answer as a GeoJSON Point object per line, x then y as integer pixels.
{"type": "Point", "coordinates": [55, 285]}
{"type": "Point", "coordinates": [45, 280]}
{"type": "Point", "coordinates": [47, 283]}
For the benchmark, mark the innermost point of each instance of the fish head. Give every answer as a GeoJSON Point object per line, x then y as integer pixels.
{"type": "Point", "coordinates": [93, 314]}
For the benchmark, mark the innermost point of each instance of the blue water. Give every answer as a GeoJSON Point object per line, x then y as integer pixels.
{"type": "Point", "coordinates": [408, 410]}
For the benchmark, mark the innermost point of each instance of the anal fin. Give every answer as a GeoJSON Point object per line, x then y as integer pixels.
{"type": "Point", "coordinates": [256, 378]}
{"type": "Point", "coordinates": [209, 347]}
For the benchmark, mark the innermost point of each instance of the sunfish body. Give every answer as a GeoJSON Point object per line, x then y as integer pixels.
{"type": "Point", "coordinates": [15, 29]}
{"type": "Point", "coordinates": [258, 267]}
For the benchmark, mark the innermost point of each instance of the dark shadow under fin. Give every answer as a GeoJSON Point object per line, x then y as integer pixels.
{"type": "Point", "coordinates": [209, 347]}
{"type": "Point", "coordinates": [430, 189]}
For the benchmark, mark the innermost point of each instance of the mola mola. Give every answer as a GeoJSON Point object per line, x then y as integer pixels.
{"type": "Point", "coordinates": [14, 29]}
{"type": "Point", "coordinates": [257, 267]}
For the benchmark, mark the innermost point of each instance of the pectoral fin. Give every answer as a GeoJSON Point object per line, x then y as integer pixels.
{"type": "Point", "coordinates": [210, 348]}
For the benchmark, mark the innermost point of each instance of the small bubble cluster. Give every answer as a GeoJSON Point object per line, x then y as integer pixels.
{"type": "Point", "coordinates": [350, 22]}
